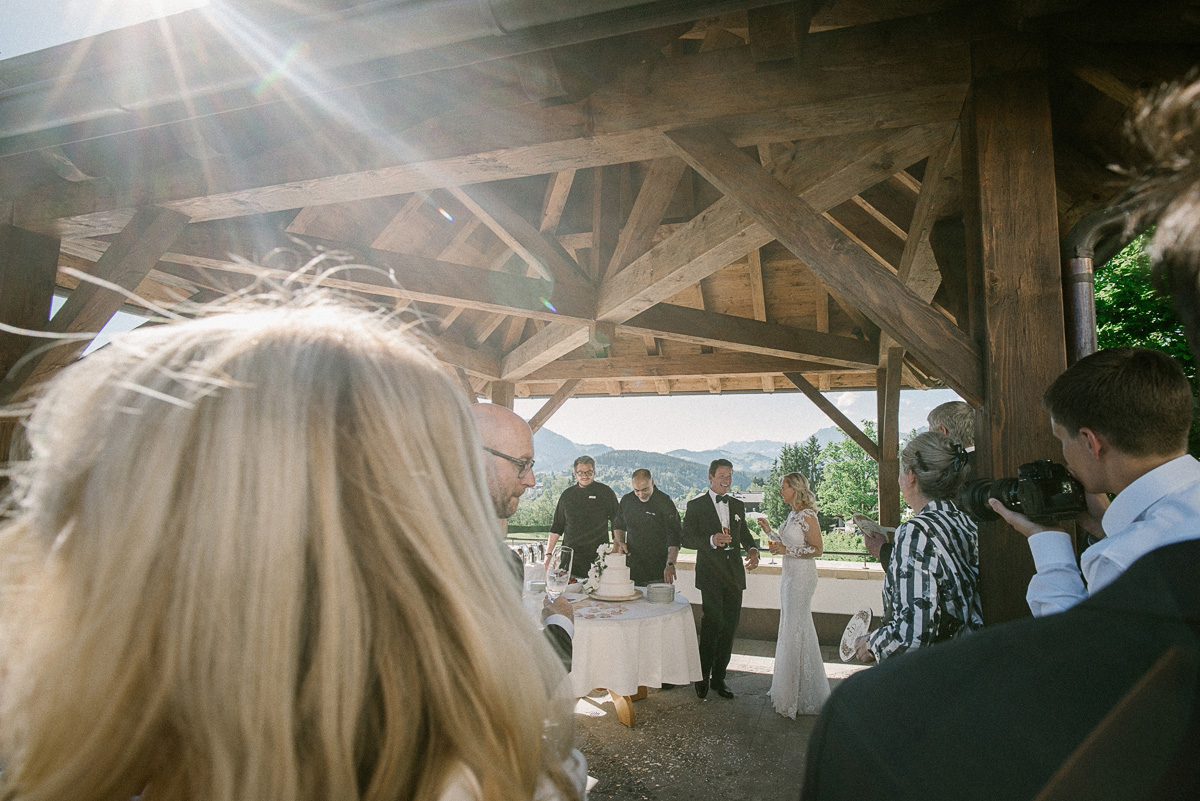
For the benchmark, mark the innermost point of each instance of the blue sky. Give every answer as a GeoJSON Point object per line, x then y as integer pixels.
{"type": "Point", "coordinates": [701, 422]}
{"type": "Point", "coordinates": [31, 25]}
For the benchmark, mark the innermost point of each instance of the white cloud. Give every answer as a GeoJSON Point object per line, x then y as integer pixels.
{"type": "Point", "coordinates": [845, 400]}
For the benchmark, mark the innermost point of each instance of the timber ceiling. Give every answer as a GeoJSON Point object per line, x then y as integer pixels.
{"type": "Point", "coordinates": [736, 203]}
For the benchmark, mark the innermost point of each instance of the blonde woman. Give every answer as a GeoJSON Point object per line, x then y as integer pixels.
{"type": "Point", "coordinates": [931, 583]}
{"type": "Point", "coordinates": [245, 563]}
{"type": "Point", "coordinates": [799, 685]}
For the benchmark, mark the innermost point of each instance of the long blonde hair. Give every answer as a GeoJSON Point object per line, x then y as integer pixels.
{"type": "Point", "coordinates": [253, 557]}
{"type": "Point", "coordinates": [804, 497]}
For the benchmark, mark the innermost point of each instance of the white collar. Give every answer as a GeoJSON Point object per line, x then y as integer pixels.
{"type": "Point", "coordinates": [1148, 488]}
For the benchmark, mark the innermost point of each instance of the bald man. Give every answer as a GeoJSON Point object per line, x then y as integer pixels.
{"type": "Point", "coordinates": [508, 442]}
{"type": "Point", "coordinates": [508, 461]}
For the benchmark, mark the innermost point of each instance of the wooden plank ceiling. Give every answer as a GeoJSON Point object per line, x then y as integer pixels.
{"type": "Point", "coordinates": [705, 207]}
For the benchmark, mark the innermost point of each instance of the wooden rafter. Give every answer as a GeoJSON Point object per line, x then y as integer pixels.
{"type": "Point", "coordinates": [674, 367]}
{"type": "Point", "coordinates": [826, 94]}
{"type": "Point", "coordinates": [90, 306]}
{"type": "Point", "coordinates": [553, 404]}
{"type": "Point", "coordinates": [655, 196]}
{"type": "Point", "coordinates": [844, 266]}
{"type": "Point", "coordinates": [835, 414]}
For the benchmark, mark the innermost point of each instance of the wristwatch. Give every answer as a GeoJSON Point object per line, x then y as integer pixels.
{"type": "Point", "coordinates": [670, 564]}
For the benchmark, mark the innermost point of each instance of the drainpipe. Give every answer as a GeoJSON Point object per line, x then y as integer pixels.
{"type": "Point", "coordinates": [1094, 240]}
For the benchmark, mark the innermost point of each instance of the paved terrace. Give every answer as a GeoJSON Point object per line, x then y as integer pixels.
{"type": "Point", "coordinates": [685, 749]}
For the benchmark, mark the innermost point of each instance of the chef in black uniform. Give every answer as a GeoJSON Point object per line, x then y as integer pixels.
{"type": "Point", "coordinates": [647, 528]}
{"type": "Point", "coordinates": [582, 517]}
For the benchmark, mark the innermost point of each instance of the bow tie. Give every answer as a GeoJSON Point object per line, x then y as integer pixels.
{"type": "Point", "coordinates": [723, 499]}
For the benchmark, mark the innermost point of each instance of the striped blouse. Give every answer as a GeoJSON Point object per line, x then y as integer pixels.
{"type": "Point", "coordinates": [933, 572]}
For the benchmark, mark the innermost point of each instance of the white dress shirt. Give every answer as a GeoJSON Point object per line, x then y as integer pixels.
{"type": "Point", "coordinates": [722, 515]}
{"type": "Point", "coordinates": [1160, 508]}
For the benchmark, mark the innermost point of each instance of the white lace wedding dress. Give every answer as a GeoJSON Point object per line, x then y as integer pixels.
{"type": "Point", "coordinates": [799, 685]}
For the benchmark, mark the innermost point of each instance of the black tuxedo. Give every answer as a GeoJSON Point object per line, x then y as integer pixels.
{"type": "Point", "coordinates": [995, 714]}
{"type": "Point", "coordinates": [720, 577]}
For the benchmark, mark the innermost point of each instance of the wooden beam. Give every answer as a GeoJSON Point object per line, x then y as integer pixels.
{"type": "Point", "coordinates": [644, 368]}
{"type": "Point", "coordinates": [541, 252]}
{"type": "Point", "coordinates": [847, 81]}
{"type": "Point", "coordinates": [90, 306]}
{"type": "Point", "coordinates": [835, 414]}
{"type": "Point", "coordinates": [28, 268]}
{"type": "Point", "coordinates": [887, 394]}
{"type": "Point", "coordinates": [658, 188]}
{"type": "Point", "coordinates": [502, 393]}
{"type": "Point", "coordinates": [918, 269]}
{"type": "Point", "coordinates": [701, 327]}
{"type": "Point", "coordinates": [777, 33]}
{"type": "Point", "coordinates": [758, 298]}
{"type": "Point", "coordinates": [606, 222]}
{"type": "Point", "coordinates": [476, 361]}
{"type": "Point", "coordinates": [842, 265]}
{"type": "Point", "coordinates": [553, 341]}
{"type": "Point", "coordinates": [465, 381]}
{"type": "Point", "coordinates": [555, 200]}
{"type": "Point", "coordinates": [404, 275]}
{"type": "Point", "coordinates": [553, 404]}
{"type": "Point", "coordinates": [488, 327]}
{"type": "Point", "coordinates": [1013, 251]}
{"type": "Point", "coordinates": [824, 172]}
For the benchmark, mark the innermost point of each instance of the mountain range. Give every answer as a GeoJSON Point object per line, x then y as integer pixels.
{"type": "Point", "coordinates": [555, 453]}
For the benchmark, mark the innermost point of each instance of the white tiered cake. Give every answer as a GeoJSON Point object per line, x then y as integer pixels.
{"type": "Point", "coordinates": [615, 581]}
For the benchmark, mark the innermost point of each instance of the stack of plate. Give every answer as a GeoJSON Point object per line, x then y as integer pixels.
{"type": "Point", "coordinates": [660, 593]}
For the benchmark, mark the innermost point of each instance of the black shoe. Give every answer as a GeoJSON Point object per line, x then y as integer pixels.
{"type": "Point", "coordinates": [702, 689]}
{"type": "Point", "coordinates": [666, 686]}
{"type": "Point", "coordinates": [722, 690]}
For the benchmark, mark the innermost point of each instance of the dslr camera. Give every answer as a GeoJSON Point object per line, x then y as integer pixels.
{"type": "Point", "coordinates": [1043, 491]}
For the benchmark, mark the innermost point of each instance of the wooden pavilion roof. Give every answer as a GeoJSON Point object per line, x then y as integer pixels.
{"type": "Point", "coordinates": [660, 199]}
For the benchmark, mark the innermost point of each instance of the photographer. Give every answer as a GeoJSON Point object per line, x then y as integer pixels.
{"type": "Point", "coordinates": [1123, 417]}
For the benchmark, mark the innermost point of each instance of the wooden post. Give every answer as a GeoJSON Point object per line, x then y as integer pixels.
{"type": "Point", "coordinates": [28, 269]}
{"type": "Point", "coordinates": [1012, 250]}
{"type": "Point", "coordinates": [503, 393]}
{"type": "Point", "coordinates": [887, 393]}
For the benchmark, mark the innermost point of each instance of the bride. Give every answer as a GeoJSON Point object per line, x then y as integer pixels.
{"type": "Point", "coordinates": [799, 684]}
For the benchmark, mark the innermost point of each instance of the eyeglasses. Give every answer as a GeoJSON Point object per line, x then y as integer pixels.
{"type": "Point", "coordinates": [525, 465]}
{"type": "Point", "coordinates": [585, 473]}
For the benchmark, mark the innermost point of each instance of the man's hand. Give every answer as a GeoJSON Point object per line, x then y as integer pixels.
{"type": "Point", "coordinates": [669, 574]}
{"type": "Point", "coordinates": [722, 538]}
{"type": "Point", "coordinates": [874, 540]}
{"type": "Point", "coordinates": [752, 558]}
{"type": "Point", "coordinates": [559, 606]}
{"type": "Point", "coordinates": [862, 651]}
{"type": "Point", "coordinates": [619, 547]}
{"type": "Point", "coordinates": [1024, 526]}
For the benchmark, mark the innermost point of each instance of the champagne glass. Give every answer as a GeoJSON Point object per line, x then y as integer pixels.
{"type": "Point", "coordinates": [559, 574]}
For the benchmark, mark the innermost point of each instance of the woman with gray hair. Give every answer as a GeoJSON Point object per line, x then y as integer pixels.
{"type": "Point", "coordinates": [931, 584]}
{"type": "Point", "coordinates": [225, 578]}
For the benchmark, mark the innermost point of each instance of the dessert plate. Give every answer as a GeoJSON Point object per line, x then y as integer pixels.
{"type": "Point", "coordinates": [859, 625]}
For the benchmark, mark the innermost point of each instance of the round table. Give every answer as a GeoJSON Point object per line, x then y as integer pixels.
{"type": "Point", "coordinates": [626, 646]}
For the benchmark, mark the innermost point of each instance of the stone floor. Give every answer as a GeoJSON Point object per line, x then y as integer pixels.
{"type": "Point", "coordinates": [685, 749]}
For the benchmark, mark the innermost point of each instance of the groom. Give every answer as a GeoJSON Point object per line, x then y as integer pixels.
{"type": "Point", "coordinates": [715, 525]}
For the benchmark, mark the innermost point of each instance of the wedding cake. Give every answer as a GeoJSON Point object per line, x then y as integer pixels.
{"type": "Point", "coordinates": [614, 579]}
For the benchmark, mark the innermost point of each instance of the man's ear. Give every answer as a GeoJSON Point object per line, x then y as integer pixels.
{"type": "Point", "coordinates": [1096, 442]}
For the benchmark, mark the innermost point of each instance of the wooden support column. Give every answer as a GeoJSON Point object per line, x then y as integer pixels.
{"type": "Point", "coordinates": [28, 267]}
{"type": "Point", "coordinates": [503, 393]}
{"type": "Point", "coordinates": [887, 393]}
{"type": "Point", "coordinates": [553, 404]}
{"type": "Point", "coordinates": [1012, 250]}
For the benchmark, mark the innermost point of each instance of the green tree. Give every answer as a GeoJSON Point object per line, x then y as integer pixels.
{"type": "Point", "coordinates": [850, 482]}
{"type": "Point", "coordinates": [788, 462]}
{"type": "Point", "coordinates": [1131, 313]}
{"type": "Point", "coordinates": [537, 505]}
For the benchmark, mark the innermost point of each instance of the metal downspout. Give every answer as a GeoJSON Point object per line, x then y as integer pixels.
{"type": "Point", "coordinates": [1104, 232]}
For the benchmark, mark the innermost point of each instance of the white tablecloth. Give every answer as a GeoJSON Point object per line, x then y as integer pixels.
{"type": "Point", "coordinates": [621, 646]}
